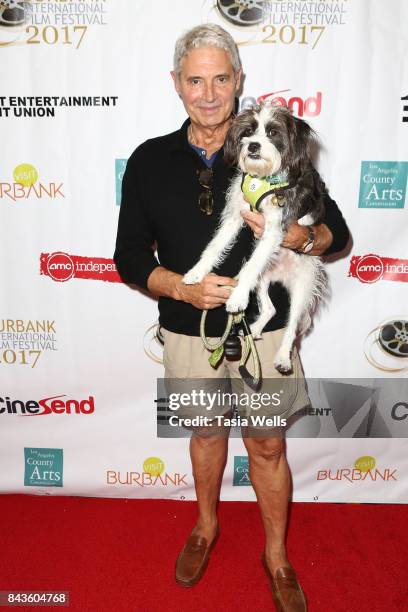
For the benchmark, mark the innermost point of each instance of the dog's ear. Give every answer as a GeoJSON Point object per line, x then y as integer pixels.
{"type": "Point", "coordinates": [232, 144]}
{"type": "Point", "coordinates": [301, 139]}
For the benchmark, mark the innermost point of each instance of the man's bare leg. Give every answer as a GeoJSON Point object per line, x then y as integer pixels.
{"type": "Point", "coordinates": [270, 477]}
{"type": "Point", "coordinates": [208, 457]}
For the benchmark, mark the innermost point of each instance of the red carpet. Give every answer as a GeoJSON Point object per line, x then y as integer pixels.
{"type": "Point", "coordinates": [119, 554]}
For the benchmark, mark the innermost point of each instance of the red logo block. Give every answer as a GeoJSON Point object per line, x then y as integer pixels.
{"type": "Point", "coordinates": [61, 267]}
{"type": "Point", "coordinates": [372, 268]}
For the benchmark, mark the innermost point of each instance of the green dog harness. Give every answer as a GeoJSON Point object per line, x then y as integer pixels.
{"type": "Point", "coordinates": [255, 189]}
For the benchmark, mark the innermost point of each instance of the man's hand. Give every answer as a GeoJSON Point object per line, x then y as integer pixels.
{"type": "Point", "coordinates": [295, 237]}
{"type": "Point", "coordinates": [207, 294]}
{"type": "Point", "coordinates": [296, 234]}
{"type": "Point", "coordinates": [256, 222]}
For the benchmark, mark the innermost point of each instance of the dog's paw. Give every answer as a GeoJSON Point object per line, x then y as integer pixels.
{"type": "Point", "coordinates": [256, 330]}
{"type": "Point", "coordinates": [193, 276]}
{"type": "Point", "coordinates": [237, 301]}
{"type": "Point", "coordinates": [283, 363]}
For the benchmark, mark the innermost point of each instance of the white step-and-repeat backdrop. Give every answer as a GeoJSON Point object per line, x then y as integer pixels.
{"type": "Point", "coordinates": [82, 83]}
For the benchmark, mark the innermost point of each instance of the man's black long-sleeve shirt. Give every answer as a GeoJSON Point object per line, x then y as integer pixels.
{"type": "Point", "coordinates": [160, 193]}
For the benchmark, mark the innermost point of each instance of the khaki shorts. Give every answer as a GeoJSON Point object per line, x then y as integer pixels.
{"type": "Point", "coordinates": [187, 368]}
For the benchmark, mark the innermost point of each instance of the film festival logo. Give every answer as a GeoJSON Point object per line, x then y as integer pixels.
{"type": "Point", "coordinates": [383, 184]}
{"type": "Point", "coordinates": [24, 342]}
{"type": "Point", "coordinates": [43, 467]}
{"type": "Point", "coordinates": [26, 185]}
{"type": "Point", "coordinates": [363, 470]}
{"type": "Point", "coordinates": [276, 23]}
{"type": "Point", "coordinates": [61, 267]}
{"type": "Point", "coordinates": [152, 474]}
{"type": "Point", "coordinates": [34, 22]}
{"type": "Point", "coordinates": [54, 405]}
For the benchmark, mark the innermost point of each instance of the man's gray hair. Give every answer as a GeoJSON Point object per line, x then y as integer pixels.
{"type": "Point", "coordinates": [207, 35]}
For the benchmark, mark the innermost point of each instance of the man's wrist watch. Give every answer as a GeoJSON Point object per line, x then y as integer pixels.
{"type": "Point", "coordinates": [308, 244]}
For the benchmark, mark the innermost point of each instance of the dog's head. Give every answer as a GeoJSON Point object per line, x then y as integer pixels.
{"type": "Point", "coordinates": [268, 139]}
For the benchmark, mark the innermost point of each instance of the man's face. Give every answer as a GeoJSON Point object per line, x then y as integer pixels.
{"type": "Point", "coordinates": [207, 85]}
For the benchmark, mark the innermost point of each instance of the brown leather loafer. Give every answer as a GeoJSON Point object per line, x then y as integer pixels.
{"type": "Point", "coordinates": [193, 560]}
{"type": "Point", "coordinates": [286, 591]}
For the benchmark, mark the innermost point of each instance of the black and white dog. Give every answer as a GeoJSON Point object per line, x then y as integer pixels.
{"type": "Point", "coordinates": [268, 143]}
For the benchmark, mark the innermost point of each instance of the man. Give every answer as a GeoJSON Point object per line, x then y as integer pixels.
{"type": "Point", "coordinates": [169, 200]}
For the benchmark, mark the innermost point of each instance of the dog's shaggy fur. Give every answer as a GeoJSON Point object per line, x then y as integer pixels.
{"type": "Point", "coordinates": [264, 141]}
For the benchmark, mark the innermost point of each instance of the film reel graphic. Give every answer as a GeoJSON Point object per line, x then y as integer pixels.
{"type": "Point", "coordinates": [153, 335]}
{"type": "Point", "coordinates": [12, 13]}
{"type": "Point", "coordinates": [386, 346]}
{"type": "Point", "coordinates": [13, 17]}
{"type": "Point", "coordinates": [245, 17]}
{"type": "Point", "coordinates": [242, 12]}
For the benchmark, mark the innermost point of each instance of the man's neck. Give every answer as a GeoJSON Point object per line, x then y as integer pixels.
{"type": "Point", "coordinates": [209, 138]}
